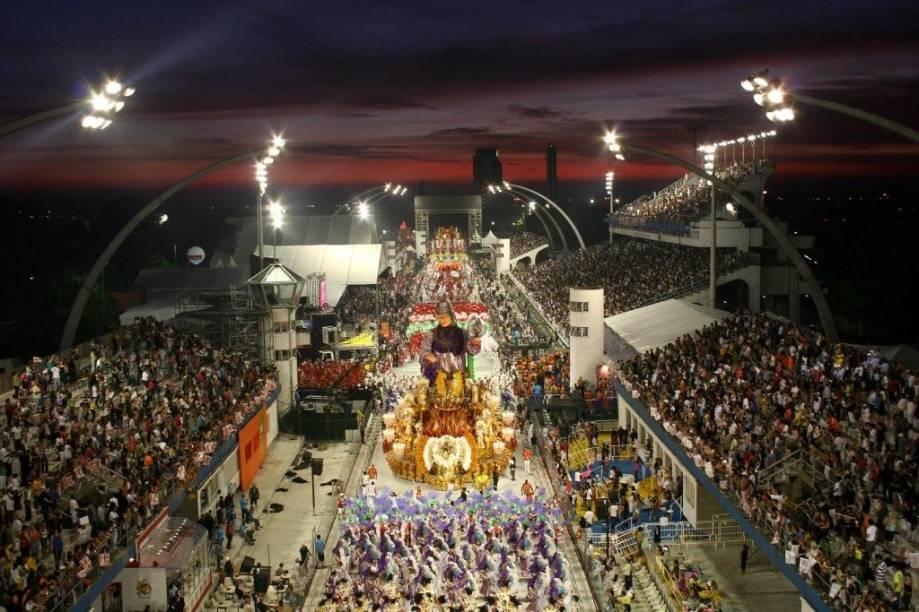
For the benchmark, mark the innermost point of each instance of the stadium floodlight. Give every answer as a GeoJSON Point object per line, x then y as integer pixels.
{"type": "Point", "coordinates": [97, 110]}
{"type": "Point", "coordinates": [363, 211]}
{"type": "Point", "coordinates": [103, 104]}
{"type": "Point", "coordinates": [612, 143]}
{"type": "Point", "coordinates": [163, 219]}
{"type": "Point", "coordinates": [276, 212]}
{"type": "Point", "coordinates": [532, 204]}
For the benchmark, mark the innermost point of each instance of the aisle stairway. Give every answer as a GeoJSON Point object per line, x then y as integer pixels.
{"type": "Point", "coordinates": [647, 595]}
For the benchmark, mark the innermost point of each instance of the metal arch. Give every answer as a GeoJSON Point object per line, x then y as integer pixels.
{"type": "Point", "coordinates": [823, 309]}
{"type": "Point", "coordinates": [574, 227]}
{"type": "Point", "coordinates": [24, 122]}
{"type": "Point", "coordinates": [550, 217]}
{"type": "Point", "coordinates": [544, 226]}
{"type": "Point", "coordinates": [887, 124]}
{"type": "Point", "coordinates": [362, 194]}
{"type": "Point", "coordinates": [76, 311]}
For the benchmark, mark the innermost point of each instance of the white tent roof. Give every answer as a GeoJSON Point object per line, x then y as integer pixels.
{"type": "Point", "coordinates": [342, 264]}
{"type": "Point", "coordinates": [654, 326]}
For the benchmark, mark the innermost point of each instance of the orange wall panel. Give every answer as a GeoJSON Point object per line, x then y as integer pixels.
{"type": "Point", "coordinates": [253, 448]}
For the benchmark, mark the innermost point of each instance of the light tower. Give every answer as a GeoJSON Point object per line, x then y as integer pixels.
{"type": "Point", "coordinates": [585, 333]}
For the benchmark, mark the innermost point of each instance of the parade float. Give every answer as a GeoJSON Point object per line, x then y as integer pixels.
{"type": "Point", "coordinates": [449, 428]}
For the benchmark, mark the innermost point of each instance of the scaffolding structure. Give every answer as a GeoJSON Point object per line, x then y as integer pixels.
{"type": "Point", "coordinates": [229, 318]}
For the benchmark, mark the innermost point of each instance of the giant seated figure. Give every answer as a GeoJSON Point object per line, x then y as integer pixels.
{"type": "Point", "coordinates": [443, 355]}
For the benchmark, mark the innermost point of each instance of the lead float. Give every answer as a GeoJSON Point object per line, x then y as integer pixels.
{"type": "Point", "coordinates": [450, 429]}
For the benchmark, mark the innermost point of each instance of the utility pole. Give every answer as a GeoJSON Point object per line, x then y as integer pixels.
{"type": "Point", "coordinates": [713, 259]}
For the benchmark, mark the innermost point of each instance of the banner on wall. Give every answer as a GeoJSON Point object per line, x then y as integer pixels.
{"type": "Point", "coordinates": [253, 447]}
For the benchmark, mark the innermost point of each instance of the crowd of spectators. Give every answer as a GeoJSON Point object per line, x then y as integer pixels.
{"type": "Point", "coordinates": [632, 271]}
{"type": "Point", "coordinates": [750, 391]}
{"type": "Point", "coordinates": [522, 242]}
{"type": "Point", "coordinates": [341, 374]}
{"type": "Point", "coordinates": [150, 407]}
{"type": "Point", "coordinates": [512, 324]}
{"type": "Point", "coordinates": [358, 301]}
{"type": "Point", "coordinates": [688, 198]}
{"type": "Point", "coordinates": [542, 375]}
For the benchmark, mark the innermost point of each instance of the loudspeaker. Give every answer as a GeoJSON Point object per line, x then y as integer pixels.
{"type": "Point", "coordinates": [246, 566]}
{"type": "Point", "coordinates": [262, 579]}
{"type": "Point", "coordinates": [317, 466]}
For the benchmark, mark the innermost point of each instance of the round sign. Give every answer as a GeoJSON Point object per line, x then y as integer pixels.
{"type": "Point", "coordinates": [195, 255]}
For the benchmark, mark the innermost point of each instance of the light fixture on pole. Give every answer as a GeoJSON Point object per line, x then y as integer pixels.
{"type": "Point", "coordinates": [98, 108]}
{"type": "Point", "coordinates": [276, 213]}
{"type": "Point", "coordinates": [778, 101]}
{"type": "Point", "coordinates": [104, 104]}
{"type": "Point", "coordinates": [272, 151]}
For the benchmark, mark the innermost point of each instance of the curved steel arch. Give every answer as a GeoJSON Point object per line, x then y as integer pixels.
{"type": "Point", "coordinates": [577, 234]}
{"type": "Point", "coordinates": [363, 194]}
{"type": "Point", "coordinates": [23, 122]}
{"type": "Point", "coordinates": [76, 311]}
{"type": "Point", "coordinates": [544, 226]}
{"type": "Point", "coordinates": [548, 215]}
{"type": "Point", "coordinates": [823, 309]}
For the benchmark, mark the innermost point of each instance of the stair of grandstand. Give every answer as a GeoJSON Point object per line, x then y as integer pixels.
{"type": "Point", "coordinates": [647, 595]}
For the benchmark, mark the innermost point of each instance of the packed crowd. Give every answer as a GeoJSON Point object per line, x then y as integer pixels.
{"type": "Point", "coordinates": [151, 406]}
{"type": "Point", "coordinates": [479, 551]}
{"type": "Point", "coordinates": [341, 374]}
{"type": "Point", "coordinates": [688, 198]}
{"type": "Point", "coordinates": [542, 375]}
{"type": "Point", "coordinates": [749, 391]}
{"type": "Point", "coordinates": [397, 295]}
{"type": "Point", "coordinates": [522, 242]}
{"type": "Point", "coordinates": [359, 301]}
{"type": "Point", "coordinates": [512, 324]}
{"type": "Point", "coordinates": [633, 272]}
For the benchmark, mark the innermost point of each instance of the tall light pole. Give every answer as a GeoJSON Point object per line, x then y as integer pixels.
{"type": "Point", "coordinates": [771, 94]}
{"type": "Point", "coordinates": [79, 304]}
{"type": "Point", "coordinates": [620, 150]}
{"type": "Point", "coordinates": [709, 166]}
{"type": "Point", "coordinates": [276, 212]}
{"type": "Point", "coordinates": [609, 194]}
{"type": "Point", "coordinates": [709, 158]}
{"type": "Point", "coordinates": [261, 175]}
{"type": "Point", "coordinates": [99, 107]}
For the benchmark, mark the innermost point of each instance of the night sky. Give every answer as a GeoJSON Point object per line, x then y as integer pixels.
{"type": "Point", "coordinates": [374, 91]}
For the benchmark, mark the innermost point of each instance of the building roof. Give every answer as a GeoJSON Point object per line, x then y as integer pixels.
{"type": "Point", "coordinates": [234, 249]}
{"type": "Point", "coordinates": [342, 264]}
{"type": "Point", "coordinates": [650, 327]}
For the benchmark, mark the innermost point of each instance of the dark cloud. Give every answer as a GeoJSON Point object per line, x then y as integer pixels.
{"type": "Point", "coordinates": [537, 112]}
{"type": "Point", "coordinates": [353, 151]}
{"type": "Point", "coordinates": [462, 132]}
